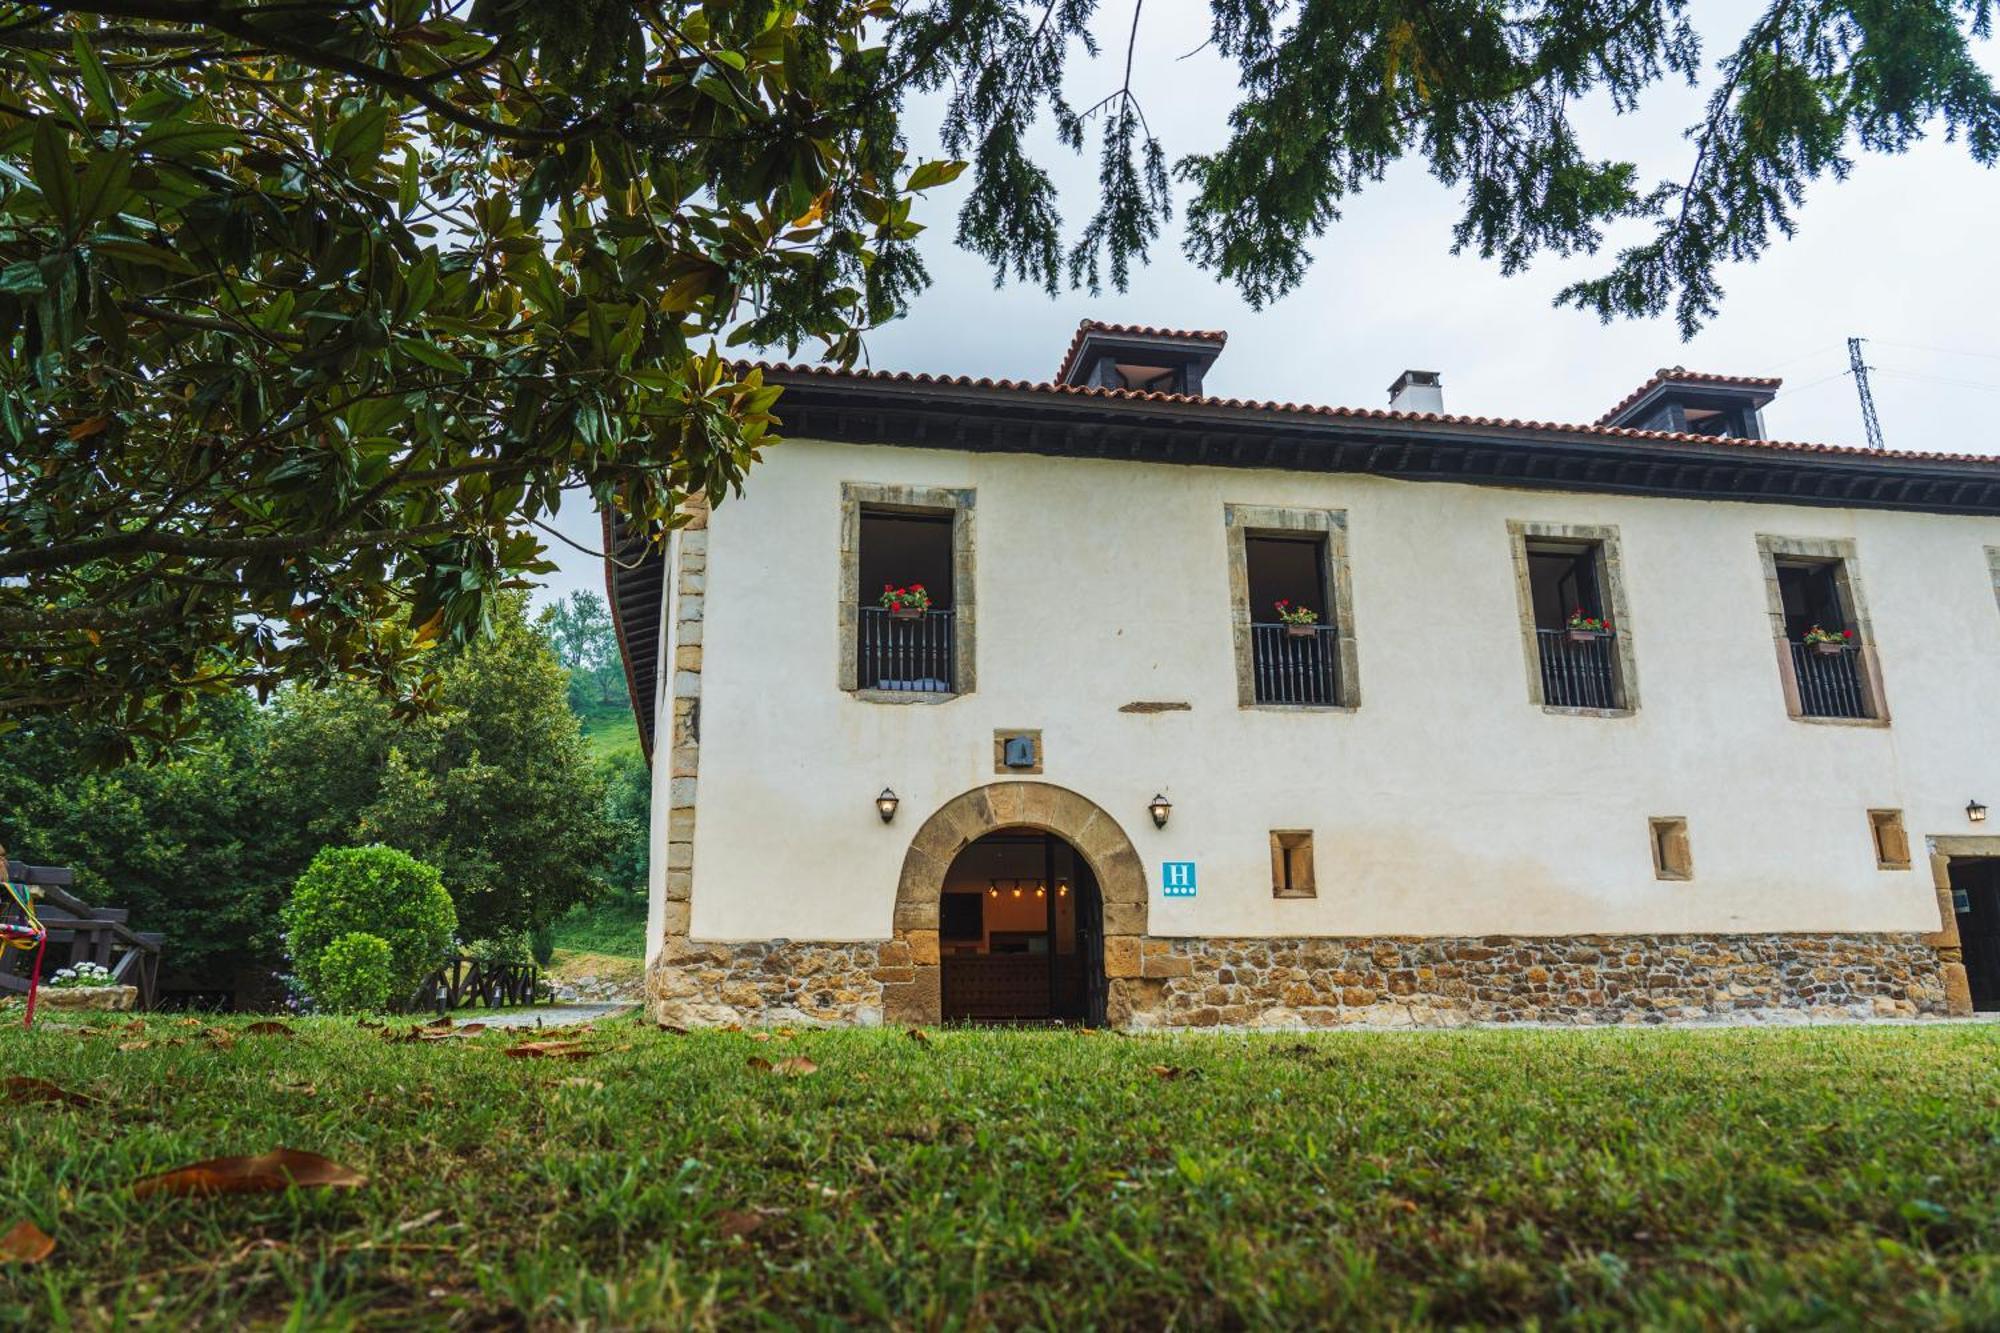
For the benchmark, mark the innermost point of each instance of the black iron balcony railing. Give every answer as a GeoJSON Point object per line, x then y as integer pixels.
{"type": "Point", "coordinates": [1292, 668]}
{"type": "Point", "coordinates": [1577, 672]}
{"type": "Point", "coordinates": [1830, 684]}
{"type": "Point", "coordinates": [914, 655]}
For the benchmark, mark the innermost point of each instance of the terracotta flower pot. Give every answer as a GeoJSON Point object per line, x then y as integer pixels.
{"type": "Point", "coordinates": [1301, 631]}
{"type": "Point", "coordinates": [1830, 647]}
{"type": "Point", "coordinates": [906, 612]}
{"type": "Point", "coordinates": [1587, 635]}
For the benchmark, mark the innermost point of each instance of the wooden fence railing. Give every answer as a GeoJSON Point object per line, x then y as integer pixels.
{"type": "Point", "coordinates": [81, 933]}
{"type": "Point", "coordinates": [464, 981]}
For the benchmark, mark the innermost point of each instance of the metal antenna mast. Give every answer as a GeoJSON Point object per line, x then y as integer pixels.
{"type": "Point", "coordinates": [1859, 368]}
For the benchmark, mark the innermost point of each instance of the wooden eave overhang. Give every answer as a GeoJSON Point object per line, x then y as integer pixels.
{"type": "Point", "coordinates": [1160, 428]}
{"type": "Point", "coordinates": [635, 575]}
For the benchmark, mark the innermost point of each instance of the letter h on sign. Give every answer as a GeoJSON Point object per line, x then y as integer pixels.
{"type": "Point", "coordinates": [1177, 879]}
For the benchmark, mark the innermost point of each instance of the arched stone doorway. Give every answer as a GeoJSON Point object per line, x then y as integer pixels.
{"type": "Point", "coordinates": [958, 823]}
{"type": "Point", "coordinates": [1021, 934]}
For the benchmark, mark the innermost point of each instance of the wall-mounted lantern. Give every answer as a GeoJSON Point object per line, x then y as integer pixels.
{"type": "Point", "coordinates": [1161, 808]}
{"type": "Point", "coordinates": [1975, 812]}
{"type": "Point", "coordinates": [886, 803]}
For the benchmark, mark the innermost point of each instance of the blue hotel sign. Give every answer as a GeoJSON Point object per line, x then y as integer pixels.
{"type": "Point", "coordinates": [1177, 879]}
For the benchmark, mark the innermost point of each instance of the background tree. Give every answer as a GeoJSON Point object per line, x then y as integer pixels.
{"type": "Point", "coordinates": [311, 310]}
{"type": "Point", "coordinates": [187, 845]}
{"type": "Point", "coordinates": [494, 787]}
{"type": "Point", "coordinates": [579, 628]}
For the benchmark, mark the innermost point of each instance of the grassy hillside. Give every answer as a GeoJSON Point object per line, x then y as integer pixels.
{"type": "Point", "coordinates": [617, 925]}
{"type": "Point", "coordinates": [610, 728]}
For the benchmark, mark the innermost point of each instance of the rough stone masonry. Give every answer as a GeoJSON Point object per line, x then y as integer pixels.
{"type": "Point", "coordinates": [1377, 981]}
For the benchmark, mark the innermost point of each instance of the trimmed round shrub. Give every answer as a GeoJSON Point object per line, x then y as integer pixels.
{"type": "Point", "coordinates": [354, 974]}
{"type": "Point", "coordinates": [375, 891]}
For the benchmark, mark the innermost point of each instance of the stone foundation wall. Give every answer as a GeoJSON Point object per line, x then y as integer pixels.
{"type": "Point", "coordinates": [1382, 982]}
{"type": "Point", "coordinates": [1574, 979]}
{"type": "Point", "coordinates": [692, 984]}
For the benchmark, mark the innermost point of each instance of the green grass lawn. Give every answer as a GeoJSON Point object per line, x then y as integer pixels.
{"type": "Point", "coordinates": [616, 925]}
{"type": "Point", "coordinates": [1695, 1178]}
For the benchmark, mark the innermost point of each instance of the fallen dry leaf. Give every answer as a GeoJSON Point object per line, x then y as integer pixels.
{"type": "Point", "coordinates": [1172, 1071]}
{"type": "Point", "coordinates": [269, 1027]}
{"type": "Point", "coordinates": [737, 1222]}
{"type": "Point", "coordinates": [269, 1172]}
{"type": "Point", "coordinates": [222, 1038]}
{"type": "Point", "coordinates": [595, 1084]}
{"type": "Point", "coordinates": [301, 1089]}
{"type": "Point", "coordinates": [549, 1050]}
{"type": "Point", "coordinates": [414, 1033]}
{"type": "Point", "coordinates": [441, 1021]}
{"type": "Point", "coordinates": [919, 1035]}
{"type": "Point", "coordinates": [760, 1036]}
{"type": "Point", "coordinates": [676, 1030]}
{"type": "Point", "coordinates": [133, 1045]}
{"type": "Point", "coordinates": [470, 1028]}
{"type": "Point", "coordinates": [21, 1089]}
{"type": "Point", "coordinates": [795, 1066]}
{"type": "Point", "coordinates": [788, 1032]}
{"type": "Point", "coordinates": [183, 1022]}
{"type": "Point", "coordinates": [759, 1063]}
{"type": "Point", "coordinates": [25, 1243]}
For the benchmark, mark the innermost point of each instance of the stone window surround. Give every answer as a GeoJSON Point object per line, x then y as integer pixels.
{"type": "Point", "coordinates": [856, 496]}
{"type": "Point", "coordinates": [1840, 551]}
{"type": "Point", "coordinates": [1603, 538]}
{"type": "Point", "coordinates": [1888, 836]}
{"type": "Point", "coordinates": [1330, 526]}
{"type": "Point", "coordinates": [1673, 856]}
{"type": "Point", "coordinates": [1000, 738]}
{"type": "Point", "coordinates": [1285, 841]}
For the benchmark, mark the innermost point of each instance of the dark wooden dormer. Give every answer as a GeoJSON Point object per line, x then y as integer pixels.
{"type": "Point", "coordinates": [1131, 356]}
{"type": "Point", "coordinates": [1677, 399]}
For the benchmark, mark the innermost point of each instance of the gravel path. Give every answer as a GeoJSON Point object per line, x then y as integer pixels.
{"type": "Point", "coordinates": [546, 1015]}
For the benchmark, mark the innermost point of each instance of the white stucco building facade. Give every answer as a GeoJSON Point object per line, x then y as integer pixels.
{"type": "Point", "coordinates": [1435, 801]}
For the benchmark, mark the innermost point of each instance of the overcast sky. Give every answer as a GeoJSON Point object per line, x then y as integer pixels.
{"type": "Point", "coordinates": [1902, 253]}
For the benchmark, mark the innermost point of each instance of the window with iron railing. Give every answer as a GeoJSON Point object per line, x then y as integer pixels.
{"type": "Point", "coordinates": [1821, 640]}
{"type": "Point", "coordinates": [1294, 638]}
{"type": "Point", "coordinates": [1575, 634]}
{"type": "Point", "coordinates": [905, 623]}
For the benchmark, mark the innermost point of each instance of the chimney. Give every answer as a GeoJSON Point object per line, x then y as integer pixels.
{"type": "Point", "coordinates": [1417, 391]}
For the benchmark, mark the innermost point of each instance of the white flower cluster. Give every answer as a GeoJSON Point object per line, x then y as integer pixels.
{"type": "Point", "coordinates": [83, 974]}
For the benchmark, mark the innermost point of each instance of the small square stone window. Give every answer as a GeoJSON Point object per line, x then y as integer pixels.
{"type": "Point", "coordinates": [1892, 844]}
{"type": "Point", "coordinates": [1292, 864]}
{"type": "Point", "coordinates": [1672, 858]}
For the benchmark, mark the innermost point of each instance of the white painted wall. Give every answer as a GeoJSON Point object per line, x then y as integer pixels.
{"type": "Point", "coordinates": [1447, 804]}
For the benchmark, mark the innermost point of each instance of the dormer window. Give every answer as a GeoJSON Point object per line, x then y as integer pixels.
{"type": "Point", "coordinates": [1140, 358]}
{"type": "Point", "coordinates": [1691, 403]}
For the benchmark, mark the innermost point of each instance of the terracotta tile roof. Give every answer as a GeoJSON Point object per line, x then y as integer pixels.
{"type": "Point", "coordinates": [1354, 413]}
{"type": "Point", "coordinates": [1090, 326]}
{"type": "Point", "coordinates": [1682, 375]}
